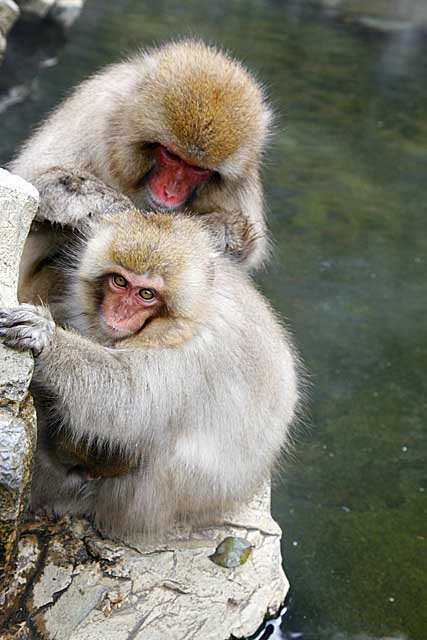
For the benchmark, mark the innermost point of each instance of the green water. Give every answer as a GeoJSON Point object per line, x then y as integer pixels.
{"type": "Point", "coordinates": [346, 186]}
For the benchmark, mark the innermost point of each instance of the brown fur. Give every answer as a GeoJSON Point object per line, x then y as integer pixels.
{"type": "Point", "coordinates": [185, 95]}
{"type": "Point", "coordinates": [225, 105]}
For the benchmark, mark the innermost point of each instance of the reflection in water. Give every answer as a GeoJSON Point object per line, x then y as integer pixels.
{"type": "Point", "coordinates": [273, 629]}
{"type": "Point", "coordinates": [347, 194]}
{"type": "Point", "coordinates": [14, 96]}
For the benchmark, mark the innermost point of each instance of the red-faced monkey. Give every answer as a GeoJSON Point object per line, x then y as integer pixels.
{"type": "Point", "coordinates": [178, 128]}
{"type": "Point", "coordinates": [170, 361]}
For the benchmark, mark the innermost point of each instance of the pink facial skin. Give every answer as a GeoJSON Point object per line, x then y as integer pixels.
{"type": "Point", "coordinates": [124, 310]}
{"type": "Point", "coordinates": [173, 179]}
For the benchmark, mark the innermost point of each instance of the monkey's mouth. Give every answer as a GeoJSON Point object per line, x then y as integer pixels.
{"type": "Point", "coordinates": [114, 330]}
{"type": "Point", "coordinates": [157, 205]}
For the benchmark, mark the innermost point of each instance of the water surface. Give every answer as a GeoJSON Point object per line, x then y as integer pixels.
{"type": "Point", "coordinates": [346, 191]}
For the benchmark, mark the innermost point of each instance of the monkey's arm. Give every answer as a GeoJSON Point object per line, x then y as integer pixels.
{"type": "Point", "coordinates": [73, 198]}
{"type": "Point", "coordinates": [235, 216]}
{"type": "Point", "coordinates": [96, 390]}
{"type": "Point", "coordinates": [68, 202]}
{"type": "Point", "coordinates": [236, 237]}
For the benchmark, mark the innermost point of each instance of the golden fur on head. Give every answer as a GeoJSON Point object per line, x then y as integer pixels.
{"type": "Point", "coordinates": [174, 247]}
{"type": "Point", "coordinates": [208, 105]}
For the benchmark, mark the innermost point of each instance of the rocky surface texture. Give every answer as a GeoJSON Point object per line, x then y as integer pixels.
{"type": "Point", "coordinates": [18, 204]}
{"type": "Point", "coordinates": [9, 12]}
{"type": "Point", "coordinates": [70, 583]}
{"type": "Point", "coordinates": [63, 12]}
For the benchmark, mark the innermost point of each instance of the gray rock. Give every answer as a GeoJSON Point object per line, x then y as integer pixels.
{"type": "Point", "coordinates": [2, 46]}
{"type": "Point", "coordinates": [37, 8]}
{"type": "Point", "coordinates": [66, 12]}
{"type": "Point", "coordinates": [18, 205]}
{"type": "Point", "coordinates": [86, 587]}
{"type": "Point", "coordinates": [63, 12]}
{"type": "Point", "coordinates": [9, 12]}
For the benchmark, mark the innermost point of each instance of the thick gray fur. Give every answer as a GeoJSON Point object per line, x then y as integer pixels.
{"type": "Point", "coordinates": [208, 418]}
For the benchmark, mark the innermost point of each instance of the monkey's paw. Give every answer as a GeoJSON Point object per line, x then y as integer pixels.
{"type": "Point", "coordinates": [234, 234]}
{"type": "Point", "coordinates": [74, 199]}
{"type": "Point", "coordinates": [27, 327]}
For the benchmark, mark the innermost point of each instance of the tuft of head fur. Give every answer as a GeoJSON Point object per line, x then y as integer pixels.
{"type": "Point", "coordinates": [211, 105]}
{"type": "Point", "coordinates": [175, 247]}
{"type": "Point", "coordinates": [197, 100]}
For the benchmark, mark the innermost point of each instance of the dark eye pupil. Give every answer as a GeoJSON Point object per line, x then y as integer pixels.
{"type": "Point", "coordinates": [119, 280]}
{"type": "Point", "coordinates": [171, 154]}
{"type": "Point", "coordinates": [146, 294]}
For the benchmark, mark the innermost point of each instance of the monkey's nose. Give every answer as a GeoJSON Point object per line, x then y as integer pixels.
{"type": "Point", "coordinates": [170, 192]}
{"type": "Point", "coordinates": [173, 189]}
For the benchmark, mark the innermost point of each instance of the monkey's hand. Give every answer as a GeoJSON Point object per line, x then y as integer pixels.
{"type": "Point", "coordinates": [233, 233]}
{"type": "Point", "coordinates": [73, 198]}
{"type": "Point", "coordinates": [27, 327]}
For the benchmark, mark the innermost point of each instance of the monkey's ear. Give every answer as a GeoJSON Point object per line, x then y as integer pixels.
{"type": "Point", "coordinates": [97, 249]}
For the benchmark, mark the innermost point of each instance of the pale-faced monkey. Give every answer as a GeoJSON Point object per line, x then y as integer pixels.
{"type": "Point", "coordinates": [178, 128]}
{"type": "Point", "coordinates": [170, 363]}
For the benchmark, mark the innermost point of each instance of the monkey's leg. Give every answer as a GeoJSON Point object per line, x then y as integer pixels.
{"type": "Point", "coordinates": [91, 460]}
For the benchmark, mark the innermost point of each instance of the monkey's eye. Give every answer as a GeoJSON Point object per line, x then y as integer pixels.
{"type": "Point", "coordinates": [170, 154]}
{"type": "Point", "coordinates": [119, 280]}
{"type": "Point", "coordinates": [147, 294]}
{"type": "Point", "coordinates": [201, 170]}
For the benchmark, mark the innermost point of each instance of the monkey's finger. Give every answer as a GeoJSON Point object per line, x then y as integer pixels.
{"type": "Point", "coordinates": [5, 313]}
{"type": "Point", "coordinates": [19, 341]}
{"type": "Point", "coordinates": [21, 307]}
{"type": "Point", "coordinates": [13, 333]}
{"type": "Point", "coordinates": [13, 320]}
{"type": "Point", "coordinates": [26, 314]}
{"type": "Point", "coordinates": [23, 340]}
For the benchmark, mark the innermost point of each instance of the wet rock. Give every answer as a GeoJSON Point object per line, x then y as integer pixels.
{"type": "Point", "coordinates": [9, 12]}
{"type": "Point", "coordinates": [66, 12]}
{"type": "Point", "coordinates": [36, 8]}
{"type": "Point", "coordinates": [63, 12]}
{"type": "Point", "coordinates": [18, 204]}
{"type": "Point", "coordinates": [84, 587]}
{"type": "Point", "coordinates": [232, 552]}
{"type": "Point", "coordinates": [2, 46]}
